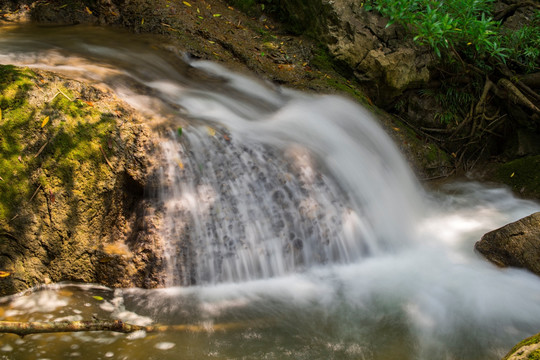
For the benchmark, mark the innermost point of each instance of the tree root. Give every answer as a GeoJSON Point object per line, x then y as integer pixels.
{"type": "Point", "coordinates": [515, 95]}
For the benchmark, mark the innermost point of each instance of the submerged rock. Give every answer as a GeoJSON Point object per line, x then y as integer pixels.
{"type": "Point", "coordinates": [516, 244]}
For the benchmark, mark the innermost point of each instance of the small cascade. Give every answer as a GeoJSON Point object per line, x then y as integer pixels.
{"type": "Point", "coordinates": [257, 198]}
{"type": "Point", "coordinates": [237, 211]}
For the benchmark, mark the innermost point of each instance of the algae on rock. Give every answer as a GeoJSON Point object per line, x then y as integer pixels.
{"type": "Point", "coordinates": [73, 165]}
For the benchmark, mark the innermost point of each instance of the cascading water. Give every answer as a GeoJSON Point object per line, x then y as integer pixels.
{"type": "Point", "coordinates": [253, 195]}
{"type": "Point", "coordinates": [298, 219]}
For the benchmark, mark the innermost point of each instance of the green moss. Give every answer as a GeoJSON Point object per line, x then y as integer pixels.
{"type": "Point", "coordinates": [63, 152]}
{"type": "Point", "coordinates": [345, 87]}
{"type": "Point", "coordinates": [535, 355]}
{"type": "Point", "coordinates": [15, 113]}
{"type": "Point", "coordinates": [522, 175]}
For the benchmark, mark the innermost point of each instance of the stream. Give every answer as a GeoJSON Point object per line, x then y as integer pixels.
{"type": "Point", "coordinates": [308, 236]}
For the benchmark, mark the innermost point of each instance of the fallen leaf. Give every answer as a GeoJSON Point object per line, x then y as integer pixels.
{"type": "Point", "coordinates": [4, 274]}
{"type": "Point", "coordinates": [512, 174]}
{"type": "Point", "coordinates": [179, 131]}
{"type": "Point", "coordinates": [1, 179]}
{"type": "Point", "coordinates": [142, 21]}
{"type": "Point", "coordinates": [226, 137]}
{"type": "Point", "coordinates": [88, 10]}
{"type": "Point", "coordinates": [114, 13]}
{"type": "Point", "coordinates": [45, 121]}
{"type": "Point", "coordinates": [186, 3]}
{"type": "Point", "coordinates": [211, 131]}
{"type": "Point", "coordinates": [397, 129]}
{"type": "Point", "coordinates": [216, 15]}
{"type": "Point", "coordinates": [0, 114]}
{"type": "Point", "coordinates": [98, 298]}
{"type": "Point", "coordinates": [63, 6]}
{"type": "Point", "coordinates": [106, 259]}
{"type": "Point", "coordinates": [180, 165]}
{"type": "Point", "coordinates": [89, 103]}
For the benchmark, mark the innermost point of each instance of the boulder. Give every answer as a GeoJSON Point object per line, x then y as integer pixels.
{"type": "Point", "coordinates": [380, 56]}
{"type": "Point", "coordinates": [72, 204]}
{"type": "Point", "coordinates": [516, 244]}
{"type": "Point", "coordinates": [527, 349]}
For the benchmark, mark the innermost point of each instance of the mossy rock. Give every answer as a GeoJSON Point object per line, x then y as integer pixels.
{"type": "Point", "coordinates": [73, 165]}
{"type": "Point", "coordinates": [528, 349]}
{"type": "Point", "coordinates": [522, 175]}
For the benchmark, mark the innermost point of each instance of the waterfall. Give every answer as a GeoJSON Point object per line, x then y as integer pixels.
{"type": "Point", "coordinates": [296, 214]}
{"type": "Point", "coordinates": [280, 185]}
{"type": "Point", "coordinates": [264, 181]}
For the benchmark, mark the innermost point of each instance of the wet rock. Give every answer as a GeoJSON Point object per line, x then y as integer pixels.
{"type": "Point", "coordinates": [75, 209]}
{"type": "Point", "coordinates": [526, 349]}
{"type": "Point", "coordinates": [516, 244]}
{"type": "Point", "coordinates": [381, 57]}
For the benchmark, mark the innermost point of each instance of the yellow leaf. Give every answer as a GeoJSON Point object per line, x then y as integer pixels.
{"type": "Point", "coordinates": [98, 298]}
{"type": "Point", "coordinates": [45, 121]}
{"type": "Point", "coordinates": [142, 21]}
{"type": "Point", "coordinates": [88, 10]}
{"type": "Point", "coordinates": [4, 274]}
{"type": "Point", "coordinates": [512, 175]}
{"type": "Point", "coordinates": [198, 11]}
{"type": "Point", "coordinates": [454, 155]}
{"type": "Point", "coordinates": [0, 114]}
{"type": "Point", "coordinates": [186, 3]}
{"type": "Point", "coordinates": [397, 129]}
{"type": "Point", "coordinates": [216, 15]}
{"type": "Point", "coordinates": [211, 131]}
{"type": "Point", "coordinates": [180, 164]}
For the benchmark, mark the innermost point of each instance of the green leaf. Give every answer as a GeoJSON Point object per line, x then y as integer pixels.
{"type": "Point", "coordinates": [179, 131]}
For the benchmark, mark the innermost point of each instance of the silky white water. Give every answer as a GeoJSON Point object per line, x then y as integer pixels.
{"type": "Point", "coordinates": [297, 219]}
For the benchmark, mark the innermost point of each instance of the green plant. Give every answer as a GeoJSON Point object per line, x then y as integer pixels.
{"type": "Point", "coordinates": [450, 27]}
{"type": "Point", "coordinates": [524, 45]}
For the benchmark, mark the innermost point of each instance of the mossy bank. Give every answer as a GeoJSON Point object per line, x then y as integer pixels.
{"type": "Point", "coordinates": [74, 162]}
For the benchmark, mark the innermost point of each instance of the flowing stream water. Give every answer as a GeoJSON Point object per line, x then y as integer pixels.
{"type": "Point", "coordinates": [303, 229]}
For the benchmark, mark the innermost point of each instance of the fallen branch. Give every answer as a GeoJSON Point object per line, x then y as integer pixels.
{"type": "Point", "coordinates": [40, 327]}
{"type": "Point", "coordinates": [27, 328]}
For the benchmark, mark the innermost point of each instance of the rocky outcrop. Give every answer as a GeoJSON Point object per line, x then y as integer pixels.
{"type": "Point", "coordinates": [525, 350]}
{"type": "Point", "coordinates": [516, 244]}
{"type": "Point", "coordinates": [378, 56]}
{"type": "Point", "coordinates": [75, 162]}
